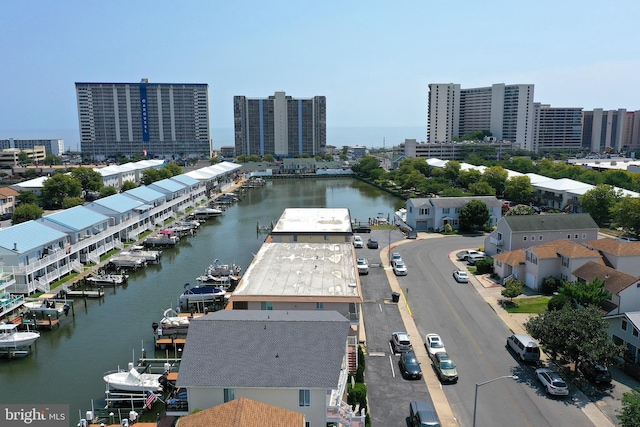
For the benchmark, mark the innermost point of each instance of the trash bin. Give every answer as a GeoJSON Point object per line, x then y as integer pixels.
{"type": "Point", "coordinates": [395, 296]}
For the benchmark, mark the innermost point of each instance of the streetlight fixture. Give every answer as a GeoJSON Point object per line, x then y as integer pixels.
{"type": "Point", "coordinates": [475, 401]}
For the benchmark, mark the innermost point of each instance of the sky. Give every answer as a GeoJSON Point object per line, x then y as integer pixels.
{"type": "Point", "coordinates": [373, 60]}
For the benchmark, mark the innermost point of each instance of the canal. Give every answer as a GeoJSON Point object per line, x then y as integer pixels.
{"type": "Point", "coordinates": [67, 364]}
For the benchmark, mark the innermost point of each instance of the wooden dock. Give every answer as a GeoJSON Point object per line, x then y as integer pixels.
{"type": "Point", "coordinates": [99, 293]}
{"type": "Point", "coordinates": [164, 343]}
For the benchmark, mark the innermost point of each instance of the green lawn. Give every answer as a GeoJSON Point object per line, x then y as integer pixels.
{"type": "Point", "coordinates": [534, 305]}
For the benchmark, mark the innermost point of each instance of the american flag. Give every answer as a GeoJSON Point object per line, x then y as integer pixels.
{"type": "Point", "coordinates": [150, 399]}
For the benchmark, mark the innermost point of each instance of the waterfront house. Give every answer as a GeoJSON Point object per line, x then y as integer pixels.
{"type": "Point", "coordinates": [195, 188]}
{"type": "Point", "coordinates": [624, 329]}
{"type": "Point", "coordinates": [621, 255]}
{"type": "Point", "coordinates": [130, 215]}
{"type": "Point", "coordinates": [433, 213]}
{"type": "Point", "coordinates": [295, 360]}
{"type": "Point", "coordinates": [243, 412]}
{"type": "Point", "coordinates": [624, 288]}
{"type": "Point", "coordinates": [510, 264]}
{"type": "Point", "coordinates": [523, 231]}
{"type": "Point", "coordinates": [7, 200]}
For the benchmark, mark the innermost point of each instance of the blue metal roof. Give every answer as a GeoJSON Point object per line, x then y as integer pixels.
{"type": "Point", "coordinates": [145, 194]}
{"type": "Point", "coordinates": [28, 236]}
{"type": "Point", "coordinates": [168, 185]}
{"type": "Point", "coordinates": [185, 179]}
{"type": "Point", "coordinates": [76, 218]}
{"type": "Point", "coordinates": [119, 203]}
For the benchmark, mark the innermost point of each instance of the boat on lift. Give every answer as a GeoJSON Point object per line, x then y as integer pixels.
{"type": "Point", "coordinates": [12, 338]}
{"type": "Point", "coordinates": [200, 294]}
{"type": "Point", "coordinates": [132, 381]}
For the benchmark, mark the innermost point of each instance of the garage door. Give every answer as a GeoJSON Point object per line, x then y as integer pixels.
{"type": "Point", "coordinates": [530, 280]}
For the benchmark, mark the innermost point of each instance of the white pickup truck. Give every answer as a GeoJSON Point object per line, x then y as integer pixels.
{"type": "Point", "coordinates": [464, 255]}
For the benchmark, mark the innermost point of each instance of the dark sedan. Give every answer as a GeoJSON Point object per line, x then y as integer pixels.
{"type": "Point", "coordinates": [409, 366]}
{"type": "Point", "coordinates": [372, 243]}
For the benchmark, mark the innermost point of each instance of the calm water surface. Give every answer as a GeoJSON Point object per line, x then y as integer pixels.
{"type": "Point", "coordinates": [67, 364]}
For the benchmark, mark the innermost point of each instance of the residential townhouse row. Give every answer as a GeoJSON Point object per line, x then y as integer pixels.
{"type": "Point", "coordinates": [36, 253]}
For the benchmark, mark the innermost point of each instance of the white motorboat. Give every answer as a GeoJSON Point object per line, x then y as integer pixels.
{"type": "Point", "coordinates": [46, 307]}
{"type": "Point", "coordinates": [172, 323]}
{"type": "Point", "coordinates": [110, 279]}
{"type": "Point", "coordinates": [140, 252]}
{"type": "Point", "coordinates": [222, 275]}
{"type": "Point", "coordinates": [161, 240]}
{"type": "Point", "coordinates": [200, 294]}
{"type": "Point", "coordinates": [205, 213]}
{"type": "Point", "coordinates": [11, 337]}
{"type": "Point", "coordinates": [133, 381]}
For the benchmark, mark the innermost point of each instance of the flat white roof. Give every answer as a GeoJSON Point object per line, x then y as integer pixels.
{"type": "Point", "coordinates": [314, 220]}
{"type": "Point", "coordinates": [301, 270]}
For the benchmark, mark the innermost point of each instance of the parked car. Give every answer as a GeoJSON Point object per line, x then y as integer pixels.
{"type": "Point", "coordinates": [552, 382]}
{"type": "Point", "coordinates": [400, 269]}
{"type": "Point", "coordinates": [464, 255]}
{"type": "Point", "coordinates": [445, 368]}
{"type": "Point", "coordinates": [358, 242]}
{"type": "Point", "coordinates": [461, 276]}
{"type": "Point", "coordinates": [395, 257]}
{"type": "Point", "coordinates": [472, 259]}
{"type": "Point", "coordinates": [434, 344]}
{"type": "Point", "coordinates": [412, 234]}
{"type": "Point", "coordinates": [594, 371]}
{"type": "Point", "coordinates": [362, 229]}
{"type": "Point", "coordinates": [409, 366]}
{"type": "Point", "coordinates": [363, 266]}
{"type": "Point", "coordinates": [400, 342]}
{"type": "Point", "coordinates": [372, 243]}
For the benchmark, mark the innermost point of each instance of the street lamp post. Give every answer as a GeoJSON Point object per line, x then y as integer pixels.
{"type": "Point", "coordinates": [475, 401]}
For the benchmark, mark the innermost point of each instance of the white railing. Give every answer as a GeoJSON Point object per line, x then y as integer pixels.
{"type": "Point", "coordinates": [497, 242]}
{"type": "Point", "coordinates": [42, 285]}
{"type": "Point", "coordinates": [118, 244]}
{"type": "Point", "coordinates": [344, 414]}
{"type": "Point", "coordinates": [77, 266]}
{"type": "Point", "coordinates": [95, 259]}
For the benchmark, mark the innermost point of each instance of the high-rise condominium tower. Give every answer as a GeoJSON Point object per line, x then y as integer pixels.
{"type": "Point", "coordinates": [164, 120]}
{"type": "Point", "coordinates": [280, 125]}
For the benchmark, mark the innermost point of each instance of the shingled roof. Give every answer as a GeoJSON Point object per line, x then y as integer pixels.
{"type": "Point", "coordinates": [615, 247]}
{"type": "Point", "coordinates": [563, 247]}
{"type": "Point", "coordinates": [265, 348]}
{"type": "Point", "coordinates": [512, 257]}
{"type": "Point", "coordinates": [243, 412]}
{"type": "Point", "coordinates": [550, 222]}
{"type": "Point", "coordinates": [614, 281]}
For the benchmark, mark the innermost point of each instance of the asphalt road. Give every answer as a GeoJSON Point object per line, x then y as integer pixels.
{"type": "Point", "coordinates": [474, 337]}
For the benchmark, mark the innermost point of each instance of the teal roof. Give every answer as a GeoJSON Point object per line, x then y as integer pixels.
{"type": "Point", "coordinates": [185, 179]}
{"type": "Point", "coordinates": [118, 203]}
{"type": "Point", "coordinates": [145, 194]}
{"type": "Point", "coordinates": [167, 185]}
{"type": "Point", "coordinates": [28, 236]}
{"type": "Point", "coordinates": [76, 218]}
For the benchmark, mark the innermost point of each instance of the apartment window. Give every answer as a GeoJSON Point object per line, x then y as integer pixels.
{"type": "Point", "coordinates": [266, 305]}
{"type": "Point", "coordinates": [307, 424]}
{"type": "Point", "coordinates": [584, 236]}
{"type": "Point", "coordinates": [568, 236]}
{"type": "Point", "coordinates": [635, 332]}
{"type": "Point", "coordinates": [241, 305]}
{"type": "Point", "coordinates": [540, 238]}
{"type": "Point", "coordinates": [524, 238]}
{"type": "Point", "coordinates": [304, 397]}
{"type": "Point", "coordinates": [533, 238]}
{"type": "Point", "coordinates": [445, 210]}
{"type": "Point", "coordinates": [499, 236]}
{"type": "Point", "coordinates": [575, 236]}
{"type": "Point", "coordinates": [565, 261]}
{"type": "Point", "coordinates": [624, 325]}
{"type": "Point", "coordinates": [229, 394]}
{"type": "Point", "coordinates": [424, 211]}
{"type": "Point", "coordinates": [319, 305]}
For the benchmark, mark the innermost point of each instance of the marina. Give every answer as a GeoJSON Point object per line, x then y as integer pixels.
{"type": "Point", "coordinates": [105, 329]}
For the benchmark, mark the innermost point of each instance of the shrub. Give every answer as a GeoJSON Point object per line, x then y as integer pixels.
{"type": "Point", "coordinates": [359, 377]}
{"type": "Point", "coordinates": [448, 228]}
{"type": "Point", "coordinates": [357, 395]}
{"type": "Point", "coordinates": [361, 359]}
{"type": "Point", "coordinates": [550, 285]}
{"type": "Point", "coordinates": [484, 266]}
{"type": "Point", "coordinates": [512, 289]}
{"type": "Point", "coordinates": [557, 302]}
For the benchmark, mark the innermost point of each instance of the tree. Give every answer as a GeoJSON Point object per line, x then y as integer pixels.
{"type": "Point", "coordinates": [59, 187]}
{"type": "Point", "coordinates": [452, 171]}
{"type": "Point", "coordinates": [512, 289]}
{"type": "Point", "coordinates": [586, 293]}
{"type": "Point", "coordinates": [174, 169]}
{"type": "Point", "coordinates": [269, 158]}
{"type": "Point", "coordinates": [149, 176]}
{"type": "Point", "coordinates": [242, 158]}
{"type": "Point", "coordinates": [52, 159]}
{"type": "Point", "coordinates": [598, 202]}
{"type": "Point", "coordinates": [473, 215]}
{"type": "Point", "coordinates": [108, 191]}
{"type": "Point", "coordinates": [214, 160]}
{"type": "Point", "coordinates": [26, 212]}
{"type": "Point", "coordinates": [128, 185]}
{"type": "Point", "coordinates": [629, 415]}
{"type": "Point", "coordinates": [519, 189]}
{"type": "Point", "coordinates": [24, 158]}
{"type": "Point", "coordinates": [573, 333]}
{"type": "Point", "coordinates": [520, 210]}
{"type": "Point", "coordinates": [626, 213]}
{"type": "Point", "coordinates": [70, 202]}
{"type": "Point", "coordinates": [496, 176]}
{"type": "Point", "coordinates": [89, 179]}
{"type": "Point", "coordinates": [482, 188]}
{"type": "Point", "coordinates": [27, 197]}
{"type": "Point", "coordinates": [468, 177]}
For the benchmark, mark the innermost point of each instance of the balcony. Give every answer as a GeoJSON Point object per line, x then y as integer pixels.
{"type": "Point", "coordinates": [343, 413]}
{"type": "Point", "coordinates": [497, 242]}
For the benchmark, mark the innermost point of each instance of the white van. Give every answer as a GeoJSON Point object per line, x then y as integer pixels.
{"type": "Point", "coordinates": [525, 347]}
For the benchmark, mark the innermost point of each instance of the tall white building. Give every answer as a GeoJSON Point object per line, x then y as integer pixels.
{"type": "Point", "coordinates": [507, 111]}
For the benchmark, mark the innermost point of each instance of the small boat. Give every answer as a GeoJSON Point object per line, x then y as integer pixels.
{"type": "Point", "coordinates": [127, 261]}
{"type": "Point", "coordinates": [46, 307]}
{"type": "Point", "coordinates": [200, 294]}
{"type": "Point", "coordinates": [224, 275]}
{"type": "Point", "coordinates": [172, 323]}
{"type": "Point", "coordinates": [11, 338]}
{"type": "Point", "coordinates": [161, 240]}
{"type": "Point", "coordinates": [205, 213]}
{"type": "Point", "coordinates": [140, 252]}
{"type": "Point", "coordinates": [110, 279]}
{"type": "Point", "coordinates": [132, 380]}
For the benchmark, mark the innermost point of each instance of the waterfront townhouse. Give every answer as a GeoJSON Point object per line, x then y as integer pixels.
{"type": "Point", "coordinates": [173, 190]}
{"type": "Point", "coordinates": [195, 188]}
{"type": "Point", "coordinates": [434, 213]}
{"type": "Point", "coordinates": [625, 292]}
{"type": "Point", "coordinates": [116, 175]}
{"type": "Point", "coordinates": [129, 215]}
{"type": "Point", "coordinates": [522, 231]}
{"type": "Point", "coordinates": [623, 256]}
{"type": "Point", "coordinates": [292, 359]}
{"type": "Point", "coordinates": [159, 209]}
